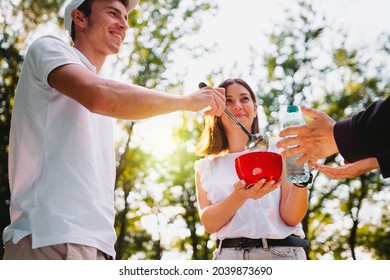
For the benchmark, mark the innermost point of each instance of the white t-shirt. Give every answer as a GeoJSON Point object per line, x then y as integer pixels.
{"type": "Point", "coordinates": [61, 159]}
{"type": "Point", "coordinates": [255, 218]}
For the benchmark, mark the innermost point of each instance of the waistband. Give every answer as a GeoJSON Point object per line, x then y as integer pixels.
{"type": "Point", "coordinates": [245, 243]}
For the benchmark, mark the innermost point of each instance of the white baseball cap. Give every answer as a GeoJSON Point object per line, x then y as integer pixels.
{"type": "Point", "coordinates": [74, 4]}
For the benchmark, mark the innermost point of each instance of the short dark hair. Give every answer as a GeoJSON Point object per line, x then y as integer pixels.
{"type": "Point", "coordinates": [86, 9]}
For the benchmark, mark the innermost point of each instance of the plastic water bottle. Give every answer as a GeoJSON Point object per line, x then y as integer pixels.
{"type": "Point", "coordinates": [296, 173]}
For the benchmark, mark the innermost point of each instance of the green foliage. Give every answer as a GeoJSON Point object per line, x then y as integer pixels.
{"type": "Point", "coordinates": [157, 29]}
{"type": "Point", "coordinates": [181, 189]}
{"type": "Point", "coordinates": [341, 82]}
{"type": "Point", "coordinates": [377, 239]}
{"type": "Point", "coordinates": [131, 172]}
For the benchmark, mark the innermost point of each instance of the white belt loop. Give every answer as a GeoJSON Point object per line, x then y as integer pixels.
{"type": "Point", "coordinates": [265, 244]}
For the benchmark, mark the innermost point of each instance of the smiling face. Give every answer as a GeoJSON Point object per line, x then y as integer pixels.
{"type": "Point", "coordinates": [103, 31]}
{"type": "Point", "coordinates": [219, 131]}
{"type": "Point", "coordinates": [107, 25]}
{"type": "Point", "coordinates": [239, 102]}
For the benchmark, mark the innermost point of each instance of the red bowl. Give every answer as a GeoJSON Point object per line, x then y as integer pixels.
{"type": "Point", "coordinates": [254, 166]}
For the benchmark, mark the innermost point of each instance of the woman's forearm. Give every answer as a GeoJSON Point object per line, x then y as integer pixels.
{"type": "Point", "coordinates": [215, 216]}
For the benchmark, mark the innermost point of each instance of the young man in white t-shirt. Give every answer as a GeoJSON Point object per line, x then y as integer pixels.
{"type": "Point", "coordinates": [61, 160]}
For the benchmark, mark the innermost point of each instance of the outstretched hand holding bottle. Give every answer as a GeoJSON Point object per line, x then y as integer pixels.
{"type": "Point", "coordinates": [296, 172]}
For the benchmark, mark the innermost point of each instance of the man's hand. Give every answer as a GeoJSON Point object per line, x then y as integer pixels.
{"type": "Point", "coordinates": [213, 99]}
{"type": "Point", "coordinates": [313, 140]}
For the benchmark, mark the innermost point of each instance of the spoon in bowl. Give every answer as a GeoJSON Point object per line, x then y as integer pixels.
{"type": "Point", "coordinates": [258, 140]}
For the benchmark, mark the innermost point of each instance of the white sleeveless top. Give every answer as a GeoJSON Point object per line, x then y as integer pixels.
{"type": "Point", "coordinates": [255, 218]}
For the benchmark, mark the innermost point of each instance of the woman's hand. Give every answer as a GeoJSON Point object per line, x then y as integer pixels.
{"type": "Point", "coordinates": [258, 190]}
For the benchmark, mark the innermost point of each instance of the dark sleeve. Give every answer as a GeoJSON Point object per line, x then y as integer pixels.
{"type": "Point", "coordinates": [384, 164]}
{"type": "Point", "coordinates": [366, 135]}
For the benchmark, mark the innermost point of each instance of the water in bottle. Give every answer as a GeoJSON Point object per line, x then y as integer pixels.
{"type": "Point", "coordinates": [296, 173]}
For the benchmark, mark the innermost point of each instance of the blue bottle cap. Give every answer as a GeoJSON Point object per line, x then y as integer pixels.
{"type": "Point", "coordinates": [292, 108]}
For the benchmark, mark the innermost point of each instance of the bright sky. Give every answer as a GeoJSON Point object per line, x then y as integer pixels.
{"type": "Point", "coordinates": [237, 27]}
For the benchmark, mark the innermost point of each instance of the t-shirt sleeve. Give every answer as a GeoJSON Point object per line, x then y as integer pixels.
{"type": "Point", "coordinates": [48, 53]}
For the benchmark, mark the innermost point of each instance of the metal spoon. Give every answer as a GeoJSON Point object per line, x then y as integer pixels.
{"type": "Point", "coordinates": [258, 140]}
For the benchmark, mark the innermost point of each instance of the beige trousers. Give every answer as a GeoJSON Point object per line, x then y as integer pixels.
{"type": "Point", "coordinates": [68, 251]}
